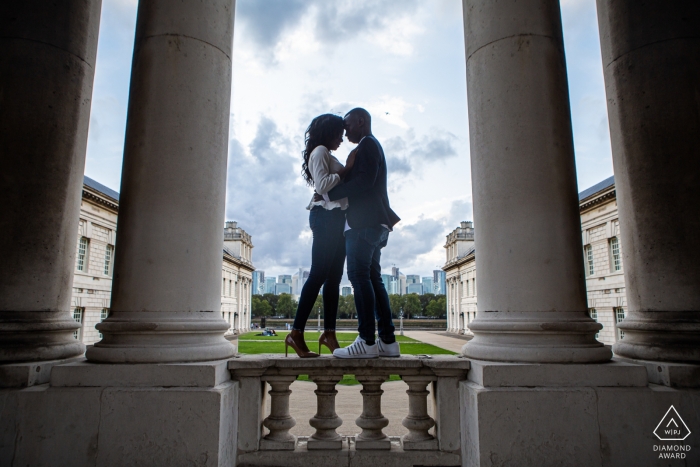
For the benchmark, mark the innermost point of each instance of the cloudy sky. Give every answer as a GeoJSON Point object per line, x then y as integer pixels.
{"type": "Point", "coordinates": [403, 60]}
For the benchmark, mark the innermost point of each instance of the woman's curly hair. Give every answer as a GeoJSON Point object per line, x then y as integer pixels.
{"type": "Point", "coordinates": [321, 132]}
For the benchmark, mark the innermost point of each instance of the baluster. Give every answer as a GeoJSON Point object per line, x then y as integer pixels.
{"type": "Point", "coordinates": [372, 421]}
{"type": "Point", "coordinates": [280, 421]}
{"type": "Point", "coordinates": [326, 420]}
{"type": "Point", "coordinates": [418, 421]}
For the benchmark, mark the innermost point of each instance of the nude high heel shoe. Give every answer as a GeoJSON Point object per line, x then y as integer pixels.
{"type": "Point", "coordinates": [329, 340]}
{"type": "Point", "coordinates": [295, 340]}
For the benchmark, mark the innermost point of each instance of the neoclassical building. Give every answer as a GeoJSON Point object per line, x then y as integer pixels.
{"type": "Point", "coordinates": [460, 278]}
{"type": "Point", "coordinates": [237, 277]}
{"type": "Point", "coordinates": [605, 280]}
{"type": "Point", "coordinates": [94, 258]}
{"type": "Point", "coordinates": [533, 387]}
{"type": "Point", "coordinates": [602, 256]}
{"type": "Point", "coordinates": [94, 263]}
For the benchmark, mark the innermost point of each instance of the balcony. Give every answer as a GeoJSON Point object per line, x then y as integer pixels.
{"type": "Point", "coordinates": [267, 440]}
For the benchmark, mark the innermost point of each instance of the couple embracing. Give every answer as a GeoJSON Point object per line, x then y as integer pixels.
{"type": "Point", "coordinates": [349, 216]}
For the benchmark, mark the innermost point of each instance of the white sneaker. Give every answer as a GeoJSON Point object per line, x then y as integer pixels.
{"type": "Point", "coordinates": [358, 349]}
{"type": "Point", "coordinates": [388, 350]}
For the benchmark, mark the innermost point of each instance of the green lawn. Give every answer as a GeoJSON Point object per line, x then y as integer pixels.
{"type": "Point", "coordinates": [253, 343]}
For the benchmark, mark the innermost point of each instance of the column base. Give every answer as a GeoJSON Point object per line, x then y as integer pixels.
{"type": "Point", "coordinates": [575, 415]}
{"type": "Point", "coordinates": [324, 444]}
{"type": "Point", "coordinates": [32, 336]}
{"type": "Point", "coordinates": [156, 415]}
{"type": "Point", "coordinates": [536, 337]}
{"type": "Point", "coordinates": [665, 336]}
{"type": "Point", "coordinates": [162, 337]}
{"type": "Point", "coordinates": [372, 444]}
{"type": "Point", "coordinates": [673, 375]}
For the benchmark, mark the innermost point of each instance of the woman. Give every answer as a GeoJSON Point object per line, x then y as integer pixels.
{"type": "Point", "coordinates": [323, 171]}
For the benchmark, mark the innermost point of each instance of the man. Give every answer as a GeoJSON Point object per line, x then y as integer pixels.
{"type": "Point", "coordinates": [369, 219]}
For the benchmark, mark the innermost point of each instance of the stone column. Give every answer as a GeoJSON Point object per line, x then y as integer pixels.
{"type": "Point", "coordinates": [47, 64]}
{"type": "Point", "coordinates": [371, 420]}
{"type": "Point", "coordinates": [532, 294]}
{"type": "Point", "coordinates": [651, 60]}
{"type": "Point", "coordinates": [166, 297]}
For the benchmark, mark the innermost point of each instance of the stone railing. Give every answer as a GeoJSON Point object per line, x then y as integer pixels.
{"type": "Point", "coordinates": [268, 440]}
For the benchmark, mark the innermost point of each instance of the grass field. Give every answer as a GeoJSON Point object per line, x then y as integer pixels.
{"type": "Point", "coordinates": [254, 343]}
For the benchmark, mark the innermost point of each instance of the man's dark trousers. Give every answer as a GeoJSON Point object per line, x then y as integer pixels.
{"type": "Point", "coordinates": [363, 247]}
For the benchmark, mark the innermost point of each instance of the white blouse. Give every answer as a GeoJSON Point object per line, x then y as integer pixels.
{"type": "Point", "coordinates": [324, 170]}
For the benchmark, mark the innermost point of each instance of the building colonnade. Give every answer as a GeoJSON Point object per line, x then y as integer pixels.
{"type": "Point", "coordinates": [522, 161]}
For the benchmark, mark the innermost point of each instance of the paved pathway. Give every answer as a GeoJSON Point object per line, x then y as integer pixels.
{"type": "Point", "coordinates": [349, 400]}
{"type": "Point", "coordinates": [439, 339]}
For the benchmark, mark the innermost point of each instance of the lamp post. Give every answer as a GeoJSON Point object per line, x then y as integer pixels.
{"type": "Point", "coordinates": [401, 321]}
{"type": "Point", "coordinates": [319, 319]}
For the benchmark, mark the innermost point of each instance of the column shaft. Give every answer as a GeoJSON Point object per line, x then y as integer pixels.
{"type": "Point", "coordinates": [47, 64]}
{"type": "Point", "coordinates": [166, 301]}
{"type": "Point", "coordinates": [651, 61]}
{"type": "Point", "coordinates": [532, 296]}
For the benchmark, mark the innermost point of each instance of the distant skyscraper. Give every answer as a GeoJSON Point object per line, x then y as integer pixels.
{"type": "Point", "coordinates": [298, 281]}
{"type": "Point", "coordinates": [270, 283]}
{"type": "Point", "coordinates": [402, 284]}
{"type": "Point", "coordinates": [439, 282]}
{"type": "Point", "coordinates": [412, 279]}
{"type": "Point", "coordinates": [281, 288]}
{"type": "Point", "coordinates": [415, 288]}
{"type": "Point", "coordinates": [346, 291]}
{"type": "Point", "coordinates": [284, 279]}
{"type": "Point", "coordinates": [258, 282]}
{"type": "Point", "coordinates": [427, 285]}
{"type": "Point", "coordinates": [386, 278]}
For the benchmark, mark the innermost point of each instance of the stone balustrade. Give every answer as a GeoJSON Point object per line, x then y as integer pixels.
{"type": "Point", "coordinates": [429, 441]}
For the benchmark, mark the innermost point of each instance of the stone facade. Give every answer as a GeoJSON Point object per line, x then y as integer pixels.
{"type": "Point", "coordinates": [94, 258]}
{"type": "Point", "coordinates": [605, 280]}
{"type": "Point", "coordinates": [237, 278]}
{"type": "Point", "coordinates": [460, 278]}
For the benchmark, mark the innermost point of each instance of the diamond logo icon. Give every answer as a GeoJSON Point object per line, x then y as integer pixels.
{"type": "Point", "coordinates": [672, 427]}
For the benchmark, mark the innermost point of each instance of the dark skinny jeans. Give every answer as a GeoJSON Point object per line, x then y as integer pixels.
{"type": "Point", "coordinates": [364, 246]}
{"type": "Point", "coordinates": [327, 260]}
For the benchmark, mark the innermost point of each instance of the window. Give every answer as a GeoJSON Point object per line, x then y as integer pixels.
{"type": "Point", "coordinates": [82, 253]}
{"type": "Point", "coordinates": [103, 316]}
{"type": "Point", "coordinates": [109, 251]}
{"type": "Point", "coordinates": [223, 287]}
{"type": "Point", "coordinates": [594, 316]}
{"type": "Point", "coordinates": [469, 288]}
{"type": "Point", "coordinates": [78, 317]}
{"type": "Point", "coordinates": [619, 316]}
{"type": "Point", "coordinates": [615, 253]}
{"type": "Point", "coordinates": [589, 260]}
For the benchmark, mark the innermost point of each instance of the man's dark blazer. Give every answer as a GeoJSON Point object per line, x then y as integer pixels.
{"type": "Point", "coordinates": [365, 188]}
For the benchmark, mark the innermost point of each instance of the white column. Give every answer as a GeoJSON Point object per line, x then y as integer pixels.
{"type": "Point", "coordinates": [166, 301]}
{"type": "Point", "coordinates": [532, 295]}
{"type": "Point", "coordinates": [47, 65]}
{"type": "Point", "coordinates": [652, 82]}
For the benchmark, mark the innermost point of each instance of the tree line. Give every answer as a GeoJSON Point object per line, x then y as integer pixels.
{"type": "Point", "coordinates": [412, 305]}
